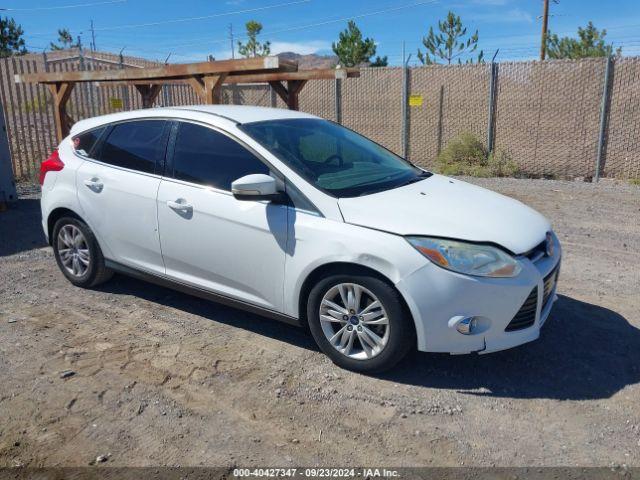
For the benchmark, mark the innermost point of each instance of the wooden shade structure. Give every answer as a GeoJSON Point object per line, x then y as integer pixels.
{"type": "Point", "coordinates": [206, 78]}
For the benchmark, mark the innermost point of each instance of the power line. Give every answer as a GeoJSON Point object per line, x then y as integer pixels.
{"type": "Point", "coordinates": [203, 17]}
{"type": "Point", "coordinates": [59, 7]}
{"type": "Point", "coordinates": [208, 40]}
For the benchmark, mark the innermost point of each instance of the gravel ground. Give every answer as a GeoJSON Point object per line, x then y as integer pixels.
{"type": "Point", "coordinates": [132, 374]}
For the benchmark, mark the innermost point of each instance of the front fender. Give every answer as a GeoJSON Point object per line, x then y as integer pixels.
{"type": "Point", "coordinates": [317, 242]}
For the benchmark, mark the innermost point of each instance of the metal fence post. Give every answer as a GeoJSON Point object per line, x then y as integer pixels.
{"type": "Point", "coordinates": [492, 106]}
{"type": "Point", "coordinates": [604, 113]}
{"type": "Point", "coordinates": [337, 92]}
{"type": "Point", "coordinates": [492, 103]}
{"type": "Point", "coordinates": [405, 103]}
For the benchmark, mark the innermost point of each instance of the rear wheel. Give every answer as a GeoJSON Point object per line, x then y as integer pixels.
{"type": "Point", "coordinates": [78, 254]}
{"type": "Point", "coordinates": [359, 322]}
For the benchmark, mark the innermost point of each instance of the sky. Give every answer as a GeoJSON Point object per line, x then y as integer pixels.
{"type": "Point", "coordinates": [190, 30]}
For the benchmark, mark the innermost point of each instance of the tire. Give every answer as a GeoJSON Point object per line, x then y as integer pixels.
{"type": "Point", "coordinates": [88, 268]}
{"type": "Point", "coordinates": [397, 336]}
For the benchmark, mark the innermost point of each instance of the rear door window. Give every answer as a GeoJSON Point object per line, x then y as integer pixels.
{"type": "Point", "coordinates": [207, 157]}
{"type": "Point", "coordinates": [138, 145]}
{"type": "Point", "coordinates": [84, 143]}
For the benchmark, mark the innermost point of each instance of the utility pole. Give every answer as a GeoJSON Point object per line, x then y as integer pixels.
{"type": "Point", "coordinates": [545, 24]}
{"type": "Point", "coordinates": [233, 50]}
{"type": "Point", "coordinates": [93, 38]}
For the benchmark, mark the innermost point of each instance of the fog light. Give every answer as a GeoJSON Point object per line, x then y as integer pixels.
{"type": "Point", "coordinates": [464, 325]}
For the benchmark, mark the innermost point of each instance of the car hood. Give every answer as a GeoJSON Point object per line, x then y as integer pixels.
{"type": "Point", "coordinates": [444, 207]}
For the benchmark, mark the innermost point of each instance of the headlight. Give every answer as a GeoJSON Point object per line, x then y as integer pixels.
{"type": "Point", "coordinates": [467, 258]}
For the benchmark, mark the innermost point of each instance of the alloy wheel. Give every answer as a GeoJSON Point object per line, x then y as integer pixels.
{"type": "Point", "coordinates": [73, 250]}
{"type": "Point", "coordinates": [354, 321]}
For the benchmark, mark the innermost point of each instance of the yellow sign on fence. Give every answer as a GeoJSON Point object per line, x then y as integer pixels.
{"type": "Point", "coordinates": [115, 102]}
{"type": "Point", "coordinates": [415, 100]}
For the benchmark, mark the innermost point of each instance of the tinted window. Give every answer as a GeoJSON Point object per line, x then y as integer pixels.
{"type": "Point", "coordinates": [207, 157]}
{"type": "Point", "coordinates": [83, 143]}
{"type": "Point", "coordinates": [135, 145]}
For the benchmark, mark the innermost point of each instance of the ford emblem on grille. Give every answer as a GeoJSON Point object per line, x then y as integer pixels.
{"type": "Point", "coordinates": [549, 245]}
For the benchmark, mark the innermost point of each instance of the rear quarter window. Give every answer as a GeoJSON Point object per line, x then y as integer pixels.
{"type": "Point", "coordinates": [84, 143]}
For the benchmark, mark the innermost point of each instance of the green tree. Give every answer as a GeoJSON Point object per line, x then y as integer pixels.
{"type": "Point", "coordinates": [65, 40]}
{"type": "Point", "coordinates": [253, 48]}
{"type": "Point", "coordinates": [449, 44]}
{"type": "Point", "coordinates": [11, 41]}
{"type": "Point", "coordinates": [351, 48]}
{"type": "Point", "coordinates": [380, 62]}
{"type": "Point", "coordinates": [590, 43]}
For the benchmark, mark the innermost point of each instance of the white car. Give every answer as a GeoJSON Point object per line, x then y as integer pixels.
{"type": "Point", "coordinates": [300, 219]}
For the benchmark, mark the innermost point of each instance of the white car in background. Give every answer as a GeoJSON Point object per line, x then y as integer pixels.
{"type": "Point", "coordinates": [300, 219]}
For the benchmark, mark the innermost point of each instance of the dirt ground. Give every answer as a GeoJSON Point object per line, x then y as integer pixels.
{"type": "Point", "coordinates": [162, 378]}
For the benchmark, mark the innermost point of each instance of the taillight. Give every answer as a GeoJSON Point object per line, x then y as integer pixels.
{"type": "Point", "coordinates": [51, 164]}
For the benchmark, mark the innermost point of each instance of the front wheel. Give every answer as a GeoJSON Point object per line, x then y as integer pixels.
{"type": "Point", "coordinates": [359, 322]}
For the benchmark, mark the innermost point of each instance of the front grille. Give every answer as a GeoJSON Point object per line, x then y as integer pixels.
{"type": "Point", "coordinates": [549, 284]}
{"type": "Point", "coordinates": [526, 316]}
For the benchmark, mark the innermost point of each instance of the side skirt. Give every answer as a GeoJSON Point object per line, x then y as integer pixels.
{"type": "Point", "coordinates": [200, 293]}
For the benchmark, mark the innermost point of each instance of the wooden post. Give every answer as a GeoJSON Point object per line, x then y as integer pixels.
{"type": "Point", "coordinates": [149, 94]}
{"type": "Point", "coordinates": [61, 93]}
{"type": "Point", "coordinates": [208, 87]}
{"type": "Point", "coordinates": [289, 94]}
{"type": "Point", "coordinates": [294, 87]}
{"type": "Point", "coordinates": [281, 90]}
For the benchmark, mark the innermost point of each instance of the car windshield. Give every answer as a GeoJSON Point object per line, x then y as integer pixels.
{"type": "Point", "coordinates": [334, 159]}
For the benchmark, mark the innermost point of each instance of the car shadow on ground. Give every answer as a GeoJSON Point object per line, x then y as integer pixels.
{"type": "Point", "coordinates": [584, 352]}
{"type": "Point", "coordinates": [123, 285]}
{"type": "Point", "coordinates": [20, 227]}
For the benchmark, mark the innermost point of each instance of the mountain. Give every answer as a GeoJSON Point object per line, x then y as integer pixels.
{"type": "Point", "coordinates": [308, 62]}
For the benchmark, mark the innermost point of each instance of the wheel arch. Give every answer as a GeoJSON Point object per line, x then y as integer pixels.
{"type": "Point", "coordinates": [337, 268]}
{"type": "Point", "coordinates": [55, 215]}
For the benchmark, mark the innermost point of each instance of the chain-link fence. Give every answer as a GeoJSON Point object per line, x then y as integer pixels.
{"type": "Point", "coordinates": [556, 118]}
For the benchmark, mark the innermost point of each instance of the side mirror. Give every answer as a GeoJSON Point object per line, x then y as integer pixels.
{"type": "Point", "coordinates": [257, 186]}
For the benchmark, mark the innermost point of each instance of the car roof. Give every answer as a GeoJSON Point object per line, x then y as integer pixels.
{"type": "Point", "coordinates": [233, 113]}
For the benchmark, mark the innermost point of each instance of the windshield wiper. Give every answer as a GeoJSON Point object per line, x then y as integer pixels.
{"type": "Point", "coordinates": [421, 176]}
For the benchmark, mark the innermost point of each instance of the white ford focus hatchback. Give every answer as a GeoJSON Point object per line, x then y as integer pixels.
{"type": "Point", "coordinates": [297, 218]}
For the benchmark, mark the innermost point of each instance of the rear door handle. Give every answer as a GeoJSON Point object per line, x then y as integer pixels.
{"type": "Point", "coordinates": [180, 205]}
{"type": "Point", "coordinates": [94, 184]}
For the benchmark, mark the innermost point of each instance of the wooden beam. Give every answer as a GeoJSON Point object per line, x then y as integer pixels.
{"type": "Point", "coordinates": [319, 74]}
{"type": "Point", "coordinates": [61, 93]}
{"type": "Point", "coordinates": [187, 70]}
{"type": "Point", "coordinates": [235, 78]}
{"type": "Point", "coordinates": [149, 93]}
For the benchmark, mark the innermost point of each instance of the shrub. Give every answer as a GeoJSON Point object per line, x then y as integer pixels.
{"type": "Point", "coordinates": [466, 155]}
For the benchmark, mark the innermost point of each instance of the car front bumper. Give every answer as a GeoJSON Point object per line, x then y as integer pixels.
{"type": "Point", "coordinates": [437, 297]}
